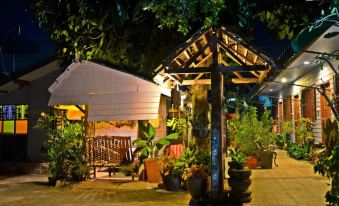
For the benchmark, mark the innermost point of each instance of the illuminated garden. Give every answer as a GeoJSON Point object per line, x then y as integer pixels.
{"type": "Point", "coordinates": [169, 103]}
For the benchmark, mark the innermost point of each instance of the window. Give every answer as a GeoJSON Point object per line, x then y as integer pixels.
{"type": "Point", "coordinates": [13, 119]}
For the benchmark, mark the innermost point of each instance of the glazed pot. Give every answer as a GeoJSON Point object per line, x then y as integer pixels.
{"type": "Point", "coordinates": [197, 188]}
{"type": "Point", "coordinates": [171, 183]}
{"type": "Point", "coordinates": [266, 159]}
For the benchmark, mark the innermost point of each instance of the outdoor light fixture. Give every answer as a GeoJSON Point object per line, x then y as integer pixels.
{"type": "Point", "coordinates": [271, 90]}
{"type": "Point", "coordinates": [284, 80]}
{"type": "Point", "coordinates": [306, 62]}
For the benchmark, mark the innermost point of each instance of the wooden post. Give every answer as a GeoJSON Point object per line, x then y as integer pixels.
{"type": "Point", "coordinates": [217, 145]}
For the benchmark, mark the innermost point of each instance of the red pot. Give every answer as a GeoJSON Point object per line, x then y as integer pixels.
{"type": "Point", "coordinates": [231, 116]}
{"type": "Point", "coordinates": [251, 162]}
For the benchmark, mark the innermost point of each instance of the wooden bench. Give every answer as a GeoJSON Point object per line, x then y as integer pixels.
{"type": "Point", "coordinates": [108, 151]}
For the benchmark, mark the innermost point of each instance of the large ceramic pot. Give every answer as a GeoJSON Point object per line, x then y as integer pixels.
{"type": "Point", "coordinates": [252, 162]}
{"type": "Point", "coordinates": [240, 181]}
{"type": "Point", "coordinates": [171, 183]}
{"type": "Point", "coordinates": [197, 188]}
{"type": "Point", "coordinates": [266, 159]}
{"type": "Point", "coordinates": [153, 170]}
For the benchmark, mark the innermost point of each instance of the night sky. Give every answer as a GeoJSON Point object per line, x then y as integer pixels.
{"type": "Point", "coordinates": [14, 12]}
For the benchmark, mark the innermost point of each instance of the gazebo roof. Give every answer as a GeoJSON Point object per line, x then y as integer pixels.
{"type": "Point", "coordinates": [192, 61]}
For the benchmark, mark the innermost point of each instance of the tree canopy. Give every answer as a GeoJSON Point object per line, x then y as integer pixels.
{"type": "Point", "coordinates": [137, 35]}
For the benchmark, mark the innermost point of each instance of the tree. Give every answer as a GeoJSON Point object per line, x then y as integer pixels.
{"type": "Point", "coordinates": [137, 35]}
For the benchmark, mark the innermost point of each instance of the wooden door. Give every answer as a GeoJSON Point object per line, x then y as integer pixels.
{"type": "Point", "coordinates": [296, 111]}
{"type": "Point", "coordinates": [287, 104]}
{"type": "Point", "coordinates": [280, 112]}
{"type": "Point", "coordinates": [325, 109]}
{"type": "Point", "coordinates": [308, 103]}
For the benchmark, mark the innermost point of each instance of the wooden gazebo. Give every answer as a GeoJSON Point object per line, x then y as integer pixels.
{"type": "Point", "coordinates": [215, 56]}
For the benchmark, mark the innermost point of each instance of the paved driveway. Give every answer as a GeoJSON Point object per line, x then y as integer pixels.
{"type": "Point", "coordinates": [293, 183]}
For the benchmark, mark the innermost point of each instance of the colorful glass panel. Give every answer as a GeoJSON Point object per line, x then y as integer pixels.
{"type": "Point", "coordinates": [8, 126]}
{"type": "Point", "coordinates": [8, 112]}
{"type": "Point", "coordinates": [0, 126]}
{"type": "Point", "coordinates": [0, 112]}
{"type": "Point", "coordinates": [21, 111]}
{"type": "Point", "coordinates": [21, 127]}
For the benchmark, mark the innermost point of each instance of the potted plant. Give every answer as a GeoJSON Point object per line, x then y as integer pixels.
{"type": "Point", "coordinates": [286, 130]}
{"type": "Point", "coordinates": [265, 141]}
{"type": "Point", "coordinates": [246, 134]}
{"type": "Point", "coordinates": [149, 149]}
{"type": "Point", "coordinates": [64, 149]}
{"type": "Point", "coordinates": [238, 159]}
{"type": "Point", "coordinates": [196, 178]}
{"type": "Point", "coordinates": [171, 175]}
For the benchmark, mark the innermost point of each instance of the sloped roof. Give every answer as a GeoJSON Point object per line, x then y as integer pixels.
{"type": "Point", "coordinates": [192, 61]}
{"type": "Point", "coordinates": [110, 94]}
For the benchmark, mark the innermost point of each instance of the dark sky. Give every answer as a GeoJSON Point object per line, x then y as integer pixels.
{"type": "Point", "coordinates": [14, 12]}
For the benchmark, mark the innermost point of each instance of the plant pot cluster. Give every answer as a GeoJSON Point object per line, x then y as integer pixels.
{"type": "Point", "coordinates": [240, 181]}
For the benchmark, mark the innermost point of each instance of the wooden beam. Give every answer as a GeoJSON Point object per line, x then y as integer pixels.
{"type": "Point", "coordinates": [262, 75]}
{"type": "Point", "coordinates": [232, 53]}
{"type": "Point", "coordinates": [204, 59]}
{"type": "Point", "coordinates": [187, 54]}
{"type": "Point", "coordinates": [220, 68]}
{"type": "Point", "coordinates": [188, 70]}
{"type": "Point", "coordinates": [184, 46]}
{"type": "Point", "coordinates": [196, 55]}
{"type": "Point", "coordinates": [22, 82]}
{"type": "Point", "coordinates": [217, 128]}
{"type": "Point", "coordinates": [246, 51]}
{"type": "Point", "coordinates": [3, 91]}
{"type": "Point", "coordinates": [198, 77]}
{"type": "Point", "coordinates": [199, 81]}
{"type": "Point", "coordinates": [244, 81]}
{"type": "Point", "coordinates": [248, 68]}
{"type": "Point", "coordinates": [238, 75]}
{"type": "Point", "coordinates": [254, 73]}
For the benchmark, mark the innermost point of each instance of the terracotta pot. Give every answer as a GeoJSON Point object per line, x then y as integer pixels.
{"type": "Point", "coordinates": [252, 162]}
{"type": "Point", "coordinates": [153, 170]}
{"type": "Point", "coordinates": [231, 116]}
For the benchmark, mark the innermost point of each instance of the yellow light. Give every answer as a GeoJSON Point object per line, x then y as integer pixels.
{"type": "Point", "coordinates": [284, 80]}
{"type": "Point", "coordinates": [306, 62]}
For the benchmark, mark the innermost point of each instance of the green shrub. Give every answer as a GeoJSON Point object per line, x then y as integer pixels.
{"type": "Point", "coordinates": [298, 152]}
{"type": "Point", "coordinates": [64, 147]}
